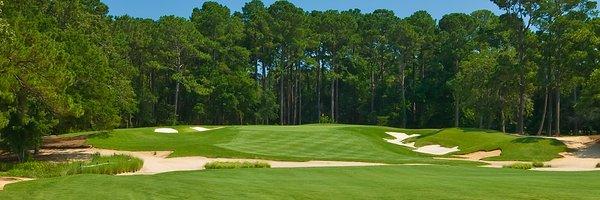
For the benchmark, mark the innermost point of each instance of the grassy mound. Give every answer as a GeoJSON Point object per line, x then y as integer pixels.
{"type": "Point", "coordinates": [236, 165]}
{"type": "Point", "coordinates": [292, 143]}
{"type": "Point", "coordinates": [111, 165]}
{"type": "Point", "coordinates": [382, 182]}
{"type": "Point", "coordinates": [513, 147]}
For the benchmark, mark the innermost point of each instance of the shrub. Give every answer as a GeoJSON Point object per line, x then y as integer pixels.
{"type": "Point", "coordinates": [383, 120]}
{"type": "Point", "coordinates": [539, 164]}
{"type": "Point", "coordinates": [519, 166]}
{"type": "Point", "coordinates": [111, 165]}
{"type": "Point", "coordinates": [236, 165]}
{"type": "Point", "coordinates": [324, 119]}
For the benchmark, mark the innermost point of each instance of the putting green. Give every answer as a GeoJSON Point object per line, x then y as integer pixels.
{"type": "Point", "coordinates": [385, 182]}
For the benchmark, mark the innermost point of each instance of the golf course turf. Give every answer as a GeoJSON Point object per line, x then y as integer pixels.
{"type": "Point", "coordinates": [443, 179]}
{"type": "Point", "coordinates": [383, 182]}
{"type": "Point", "coordinates": [321, 142]}
{"type": "Point", "coordinates": [513, 147]}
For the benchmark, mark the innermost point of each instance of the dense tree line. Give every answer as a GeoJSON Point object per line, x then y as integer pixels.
{"type": "Point", "coordinates": [68, 66]}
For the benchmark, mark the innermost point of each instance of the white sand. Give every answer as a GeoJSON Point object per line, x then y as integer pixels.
{"type": "Point", "coordinates": [399, 137]}
{"type": "Point", "coordinates": [200, 129]}
{"type": "Point", "coordinates": [480, 155]}
{"type": "Point", "coordinates": [436, 149]}
{"type": "Point", "coordinates": [429, 149]}
{"type": "Point", "coordinates": [165, 130]}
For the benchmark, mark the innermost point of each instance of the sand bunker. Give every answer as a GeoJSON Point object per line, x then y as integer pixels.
{"type": "Point", "coordinates": [578, 142]}
{"type": "Point", "coordinates": [436, 149]}
{"type": "Point", "coordinates": [429, 149]}
{"type": "Point", "coordinates": [158, 161]}
{"type": "Point", "coordinates": [399, 137]}
{"type": "Point", "coordinates": [480, 155]}
{"type": "Point", "coordinates": [165, 130]}
{"type": "Point", "coordinates": [8, 180]}
{"type": "Point", "coordinates": [200, 129]}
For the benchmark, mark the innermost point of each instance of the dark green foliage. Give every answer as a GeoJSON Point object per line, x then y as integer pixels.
{"type": "Point", "coordinates": [324, 119]}
{"type": "Point", "coordinates": [236, 165]}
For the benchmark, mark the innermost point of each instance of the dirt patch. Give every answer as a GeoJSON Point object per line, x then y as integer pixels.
{"type": "Point", "coordinates": [58, 142]}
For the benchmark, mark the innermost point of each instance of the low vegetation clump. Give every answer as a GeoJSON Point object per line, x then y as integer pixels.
{"type": "Point", "coordinates": [110, 165]}
{"type": "Point", "coordinates": [540, 164]}
{"type": "Point", "coordinates": [519, 166]}
{"type": "Point", "coordinates": [236, 165]}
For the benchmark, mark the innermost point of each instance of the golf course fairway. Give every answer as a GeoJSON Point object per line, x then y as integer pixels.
{"type": "Point", "coordinates": [383, 182]}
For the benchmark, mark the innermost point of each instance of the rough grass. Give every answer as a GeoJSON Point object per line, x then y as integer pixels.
{"type": "Point", "coordinates": [292, 143]}
{"type": "Point", "coordinates": [381, 182]}
{"type": "Point", "coordinates": [111, 165]}
{"type": "Point", "coordinates": [519, 166]}
{"type": "Point", "coordinates": [236, 165]}
{"type": "Point", "coordinates": [513, 147]}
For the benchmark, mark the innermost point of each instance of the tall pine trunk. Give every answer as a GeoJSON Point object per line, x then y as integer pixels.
{"type": "Point", "coordinates": [372, 92]}
{"type": "Point", "coordinates": [550, 115]}
{"type": "Point", "coordinates": [456, 112]}
{"type": "Point", "coordinates": [333, 99]}
{"type": "Point", "coordinates": [539, 132]}
{"type": "Point", "coordinates": [319, 89]}
{"type": "Point", "coordinates": [402, 94]}
{"type": "Point", "coordinates": [557, 109]}
{"type": "Point", "coordinates": [281, 101]}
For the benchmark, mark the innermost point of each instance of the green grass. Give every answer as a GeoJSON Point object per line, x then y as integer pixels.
{"type": "Point", "coordinates": [236, 165]}
{"type": "Point", "coordinates": [293, 143]}
{"type": "Point", "coordinates": [383, 182]}
{"type": "Point", "coordinates": [513, 147]}
{"type": "Point", "coordinates": [111, 165]}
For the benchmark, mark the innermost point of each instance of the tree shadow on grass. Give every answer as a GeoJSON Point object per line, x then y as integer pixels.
{"type": "Point", "coordinates": [469, 130]}
{"type": "Point", "coordinates": [101, 135]}
{"type": "Point", "coordinates": [525, 140]}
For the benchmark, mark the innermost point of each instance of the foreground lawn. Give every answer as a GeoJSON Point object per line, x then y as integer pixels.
{"type": "Point", "coordinates": [385, 182]}
{"type": "Point", "coordinates": [513, 147]}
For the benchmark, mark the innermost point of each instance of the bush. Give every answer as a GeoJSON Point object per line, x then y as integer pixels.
{"type": "Point", "coordinates": [519, 166]}
{"type": "Point", "coordinates": [111, 165]}
{"type": "Point", "coordinates": [236, 165]}
{"type": "Point", "coordinates": [540, 164]}
{"type": "Point", "coordinates": [324, 119]}
{"type": "Point", "coordinates": [383, 120]}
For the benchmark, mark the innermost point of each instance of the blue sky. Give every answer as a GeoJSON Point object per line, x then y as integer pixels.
{"type": "Point", "coordinates": [403, 8]}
